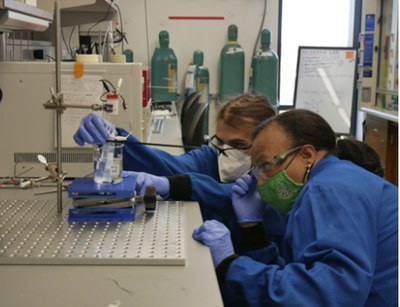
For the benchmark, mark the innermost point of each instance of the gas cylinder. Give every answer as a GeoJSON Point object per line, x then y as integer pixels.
{"type": "Point", "coordinates": [203, 83]}
{"type": "Point", "coordinates": [202, 76]}
{"type": "Point", "coordinates": [129, 55]}
{"type": "Point", "coordinates": [265, 70]}
{"type": "Point", "coordinates": [197, 77]}
{"type": "Point", "coordinates": [232, 67]}
{"type": "Point", "coordinates": [191, 72]}
{"type": "Point", "coordinates": [164, 65]}
{"type": "Point", "coordinates": [197, 80]}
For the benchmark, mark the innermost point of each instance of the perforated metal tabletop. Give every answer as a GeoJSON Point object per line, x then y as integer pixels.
{"type": "Point", "coordinates": [31, 232]}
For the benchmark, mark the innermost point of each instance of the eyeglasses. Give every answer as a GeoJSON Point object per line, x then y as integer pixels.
{"type": "Point", "coordinates": [217, 143]}
{"type": "Point", "coordinates": [262, 169]}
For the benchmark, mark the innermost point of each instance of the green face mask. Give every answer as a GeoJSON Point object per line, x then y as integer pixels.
{"type": "Point", "coordinates": [280, 192]}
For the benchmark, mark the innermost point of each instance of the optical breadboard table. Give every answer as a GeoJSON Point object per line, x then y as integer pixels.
{"type": "Point", "coordinates": [47, 261]}
{"type": "Point", "coordinates": [33, 233]}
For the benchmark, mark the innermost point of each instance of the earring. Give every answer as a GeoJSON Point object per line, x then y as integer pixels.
{"type": "Point", "coordinates": [307, 173]}
{"type": "Point", "coordinates": [308, 169]}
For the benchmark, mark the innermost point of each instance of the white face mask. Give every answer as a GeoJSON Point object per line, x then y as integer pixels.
{"type": "Point", "coordinates": [233, 164]}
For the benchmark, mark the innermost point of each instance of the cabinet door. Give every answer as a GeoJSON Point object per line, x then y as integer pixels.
{"type": "Point", "coordinates": [392, 155]}
{"type": "Point", "coordinates": [375, 135]}
{"type": "Point", "coordinates": [382, 136]}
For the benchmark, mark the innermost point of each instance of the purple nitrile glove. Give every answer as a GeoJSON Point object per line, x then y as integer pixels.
{"type": "Point", "coordinates": [93, 130]}
{"type": "Point", "coordinates": [217, 237]}
{"type": "Point", "coordinates": [246, 201]}
{"type": "Point", "coordinates": [143, 180]}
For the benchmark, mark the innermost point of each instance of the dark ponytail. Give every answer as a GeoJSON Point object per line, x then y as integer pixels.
{"type": "Point", "coordinates": [359, 153]}
{"type": "Point", "coordinates": [306, 127]}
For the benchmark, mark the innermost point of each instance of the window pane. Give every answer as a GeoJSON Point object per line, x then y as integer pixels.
{"type": "Point", "coordinates": [325, 23]}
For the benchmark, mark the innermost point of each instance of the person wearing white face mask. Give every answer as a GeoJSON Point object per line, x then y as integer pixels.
{"type": "Point", "coordinates": [205, 174]}
{"type": "Point", "coordinates": [233, 162]}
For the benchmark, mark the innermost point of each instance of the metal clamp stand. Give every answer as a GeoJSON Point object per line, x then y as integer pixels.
{"type": "Point", "coordinates": [57, 103]}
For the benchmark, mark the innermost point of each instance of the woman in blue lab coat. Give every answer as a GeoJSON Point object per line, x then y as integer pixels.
{"type": "Point", "coordinates": [205, 174]}
{"type": "Point", "coordinates": [340, 246]}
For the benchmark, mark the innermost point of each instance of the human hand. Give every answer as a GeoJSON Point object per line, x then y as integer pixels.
{"type": "Point", "coordinates": [93, 130]}
{"type": "Point", "coordinates": [144, 180]}
{"type": "Point", "coordinates": [217, 237]}
{"type": "Point", "coordinates": [246, 201]}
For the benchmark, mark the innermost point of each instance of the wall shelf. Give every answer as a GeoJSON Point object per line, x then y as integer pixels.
{"type": "Point", "coordinates": [16, 15]}
{"type": "Point", "coordinates": [382, 113]}
{"type": "Point", "coordinates": [78, 12]}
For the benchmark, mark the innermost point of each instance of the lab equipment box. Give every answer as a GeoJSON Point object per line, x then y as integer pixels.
{"type": "Point", "coordinates": [28, 129]}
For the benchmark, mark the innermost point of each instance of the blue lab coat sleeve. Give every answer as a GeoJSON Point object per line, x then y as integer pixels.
{"type": "Point", "coordinates": [215, 201]}
{"type": "Point", "coordinates": [201, 165]}
{"type": "Point", "coordinates": [143, 158]}
{"type": "Point", "coordinates": [214, 197]}
{"type": "Point", "coordinates": [340, 247]}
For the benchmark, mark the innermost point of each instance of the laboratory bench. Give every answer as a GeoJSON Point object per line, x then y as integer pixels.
{"type": "Point", "coordinates": [45, 260]}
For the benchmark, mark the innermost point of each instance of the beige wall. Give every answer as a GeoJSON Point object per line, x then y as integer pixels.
{"type": "Point", "coordinates": [144, 19]}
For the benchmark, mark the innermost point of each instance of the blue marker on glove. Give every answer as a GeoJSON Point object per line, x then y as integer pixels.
{"type": "Point", "coordinates": [93, 130]}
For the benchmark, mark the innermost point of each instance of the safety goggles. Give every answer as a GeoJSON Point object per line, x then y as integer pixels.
{"type": "Point", "coordinates": [222, 147]}
{"type": "Point", "coordinates": [262, 169]}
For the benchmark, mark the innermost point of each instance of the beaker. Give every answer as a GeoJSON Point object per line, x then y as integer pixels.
{"type": "Point", "coordinates": [108, 162]}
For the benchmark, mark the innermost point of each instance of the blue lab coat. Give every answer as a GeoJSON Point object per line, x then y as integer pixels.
{"type": "Point", "coordinates": [340, 246]}
{"type": "Point", "coordinates": [201, 165]}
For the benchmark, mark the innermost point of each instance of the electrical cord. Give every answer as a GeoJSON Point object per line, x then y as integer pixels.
{"type": "Point", "coordinates": [122, 28]}
{"type": "Point", "coordinates": [101, 20]}
{"type": "Point", "coordinates": [69, 41]}
{"type": "Point", "coordinates": [107, 84]}
{"type": "Point", "coordinates": [258, 38]}
{"type": "Point", "coordinates": [65, 42]}
{"type": "Point", "coordinates": [110, 88]}
{"type": "Point", "coordinates": [152, 144]}
{"type": "Point", "coordinates": [121, 39]}
{"type": "Point", "coordinates": [147, 31]}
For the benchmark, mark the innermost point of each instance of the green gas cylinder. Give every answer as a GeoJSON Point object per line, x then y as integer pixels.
{"type": "Point", "coordinates": [203, 83]}
{"type": "Point", "coordinates": [265, 70]}
{"type": "Point", "coordinates": [232, 67]}
{"type": "Point", "coordinates": [191, 72]}
{"type": "Point", "coordinates": [197, 77]}
{"type": "Point", "coordinates": [164, 65]}
{"type": "Point", "coordinates": [202, 78]}
{"type": "Point", "coordinates": [129, 55]}
{"type": "Point", "coordinates": [197, 80]}
{"type": "Point", "coordinates": [198, 57]}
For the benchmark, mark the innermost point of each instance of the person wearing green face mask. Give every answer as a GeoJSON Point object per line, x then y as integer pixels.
{"type": "Point", "coordinates": [340, 246]}
{"type": "Point", "coordinates": [280, 191]}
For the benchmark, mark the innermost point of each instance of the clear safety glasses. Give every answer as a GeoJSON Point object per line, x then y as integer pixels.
{"type": "Point", "coordinates": [262, 169]}
{"type": "Point", "coordinates": [222, 147]}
